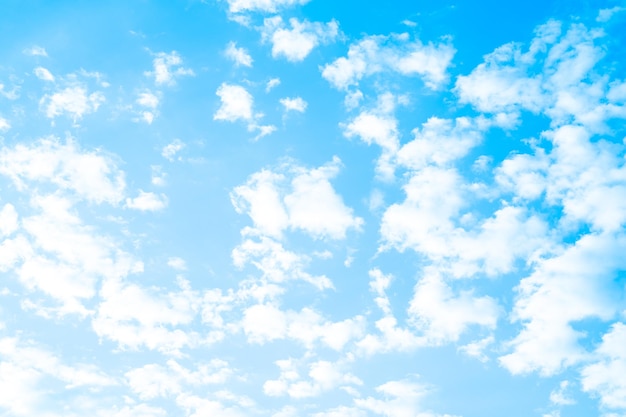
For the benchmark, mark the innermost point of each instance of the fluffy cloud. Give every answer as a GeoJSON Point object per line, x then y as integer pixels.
{"type": "Point", "coordinates": [73, 101]}
{"type": "Point", "coordinates": [4, 124]}
{"type": "Point", "coordinates": [296, 43]}
{"type": "Point", "coordinates": [299, 198]}
{"type": "Point", "coordinates": [239, 56]}
{"type": "Point", "coordinates": [268, 6]}
{"type": "Point", "coordinates": [167, 68]}
{"type": "Point", "coordinates": [294, 104]}
{"type": "Point", "coordinates": [147, 201]}
{"type": "Point", "coordinates": [43, 74]}
{"type": "Point", "coordinates": [92, 175]}
{"type": "Point", "coordinates": [237, 104]}
{"type": "Point", "coordinates": [605, 377]}
{"type": "Point", "coordinates": [396, 53]}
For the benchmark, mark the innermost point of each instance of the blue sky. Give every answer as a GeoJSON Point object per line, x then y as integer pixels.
{"type": "Point", "coordinates": [293, 208]}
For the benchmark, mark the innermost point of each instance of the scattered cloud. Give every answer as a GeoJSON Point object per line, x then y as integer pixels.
{"type": "Point", "coordinates": [294, 104]}
{"type": "Point", "coordinates": [395, 53]}
{"type": "Point", "coordinates": [239, 56]}
{"type": "Point", "coordinates": [296, 44]}
{"type": "Point", "coordinates": [147, 201]}
{"type": "Point", "coordinates": [167, 68]}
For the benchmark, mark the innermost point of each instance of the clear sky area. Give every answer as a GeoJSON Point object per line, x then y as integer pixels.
{"type": "Point", "coordinates": [312, 208]}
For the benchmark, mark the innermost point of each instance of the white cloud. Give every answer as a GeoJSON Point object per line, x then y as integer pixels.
{"type": "Point", "coordinates": [296, 43]}
{"type": "Point", "coordinates": [268, 6]}
{"type": "Point", "coordinates": [147, 201]}
{"type": "Point", "coordinates": [294, 104]}
{"type": "Point", "coordinates": [443, 316]}
{"type": "Point", "coordinates": [239, 56]}
{"type": "Point", "coordinates": [324, 376]}
{"type": "Point", "coordinates": [307, 202]}
{"type": "Point", "coordinates": [73, 101]}
{"type": "Point", "coordinates": [477, 348]}
{"type": "Point", "coordinates": [167, 68]}
{"type": "Point", "coordinates": [136, 317]}
{"type": "Point", "coordinates": [572, 286]}
{"type": "Point", "coordinates": [43, 74]}
{"type": "Point", "coordinates": [170, 150]}
{"type": "Point", "coordinates": [8, 220]}
{"type": "Point", "coordinates": [604, 15]}
{"type": "Point", "coordinates": [236, 103]}
{"type": "Point", "coordinates": [271, 84]}
{"type": "Point", "coordinates": [35, 51]}
{"type": "Point", "coordinates": [605, 377]}
{"type": "Point", "coordinates": [401, 399]}
{"type": "Point", "coordinates": [154, 380]}
{"type": "Point", "coordinates": [177, 263]}
{"type": "Point", "coordinates": [560, 396]}
{"type": "Point", "coordinates": [376, 54]}
{"type": "Point", "coordinates": [4, 124]}
{"type": "Point", "coordinates": [92, 175]}
{"type": "Point", "coordinates": [158, 177]}
{"type": "Point", "coordinates": [148, 99]}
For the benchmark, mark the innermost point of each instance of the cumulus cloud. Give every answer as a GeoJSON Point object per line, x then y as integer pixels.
{"type": "Point", "coordinates": [147, 201]}
{"type": "Point", "coordinates": [296, 44]}
{"type": "Point", "coordinates": [167, 68]}
{"type": "Point", "coordinates": [395, 53]}
{"type": "Point", "coordinates": [170, 150]}
{"type": "Point", "coordinates": [43, 74]}
{"type": "Point", "coordinates": [72, 101]}
{"type": "Point", "coordinates": [237, 105]}
{"type": "Point", "coordinates": [297, 198]}
{"type": "Point", "coordinates": [267, 6]}
{"type": "Point", "coordinates": [4, 124]}
{"type": "Point", "coordinates": [294, 104]}
{"type": "Point", "coordinates": [239, 56]}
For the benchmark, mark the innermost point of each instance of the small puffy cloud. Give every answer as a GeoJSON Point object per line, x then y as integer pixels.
{"type": "Point", "coordinates": [170, 150]}
{"type": "Point", "coordinates": [35, 51]}
{"type": "Point", "coordinates": [177, 263]}
{"type": "Point", "coordinates": [167, 68]}
{"type": "Point", "coordinates": [239, 56]}
{"type": "Point", "coordinates": [299, 198]}
{"type": "Point", "coordinates": [237, 104]}
{"type": "Point", "coordinates": [92, 175]}
{"type": "Point", "coordinates": [8, 220]}
{"type": "Point", "coordinates": [564, 289]}
{"type": "Point", "coordinates": [441, 316]}
{"type": "Point", "coordinates": [294, 104]}
{"type": "Point", "coordinates": [605, 376]}
{"type": "Point", "coordinates": [148, 99]}
{"type": "Point", "coordinates": [296, 43]}
{"type": "Point", "coordinates": [604, 15]}
{"type": "Point", "coordinates": [150, 102]}
{"type": "Point", "coordinates": [396, 53]}
{"type": "Point", "coordinates": [400, 399]}
{"type": "Point", "coordinates": [4, 124]}
{"type": "Point", "coordinates": [147, 201]}
{"type": "Point", "coordinates": [72, 101]}
{"type": "Point", "coordinates": [43, 74]}
{"type": "Point", "coordinates": [268, 6]}
{"type": "Point", "coordinates": [271, 84]}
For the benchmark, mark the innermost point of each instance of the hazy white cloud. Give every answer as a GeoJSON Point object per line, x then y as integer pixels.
{"type": "Point", "coordinates": [73, 101]}
{"type": "Point", "coordinates": [92, 175]}
{"type": "Point", "coordinates": [177, 263]}
{"type": "Point", "coordinates": [395, 53]}
{"type": "Point", "coordinates": [236, 103]}
{"type": "Point", "coordinates": [294, 104]}
{"type": "Point", "coordinates": [170, 150]}
{"type": "Point", "coordinates": [604, 15]}
{"type": "Point", "coordinates": [147, 201]}
{"type": "Point", "coordinates": [271, 84]}
{"type": "Point", "coordinates": [605, 377]}
{"type": "Point", "coordinates": [43, 74]}
{"type": "Point", "coordinates": [4, 124]}
{"type": "Point", "coordinates": [268, 6]}
{"type": "Point", "coordinates": [167, 68]}
{"type": "Point", "coordinates": [35, 51]}
{"type": "Point", "coordinates": [296, 43]}
{"type": "Point", "coordinates": [305, 201]}
{"type": "Point", "coordinates": [239, 56]}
